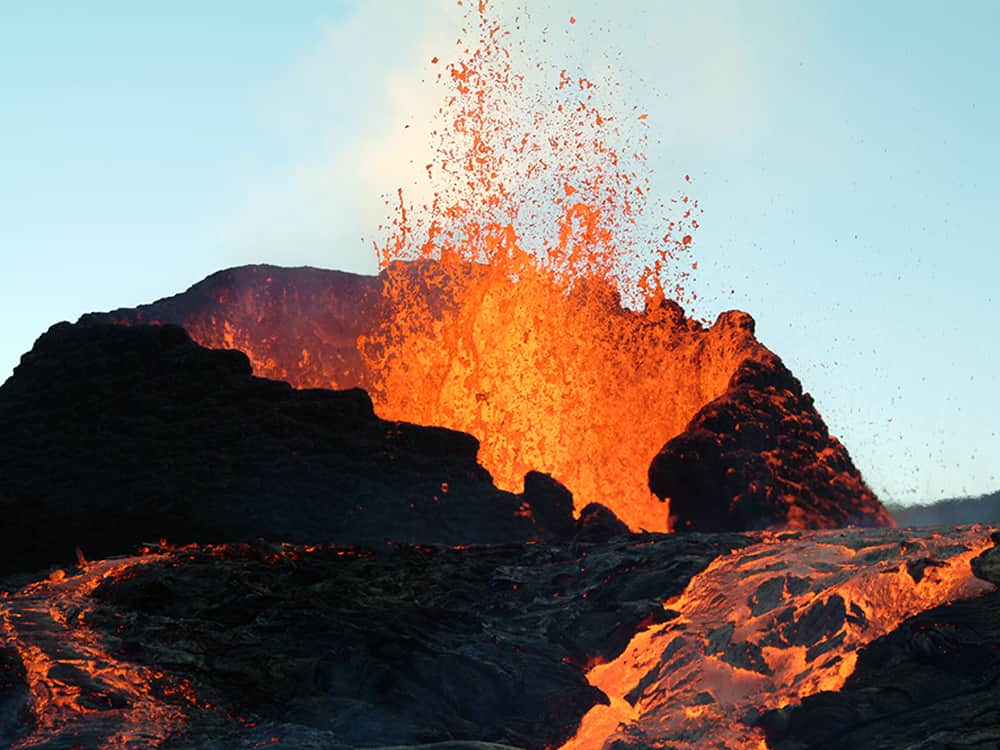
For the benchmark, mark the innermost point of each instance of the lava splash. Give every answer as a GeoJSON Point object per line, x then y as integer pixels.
{"type": "Point", "coordinates": [531, 304]}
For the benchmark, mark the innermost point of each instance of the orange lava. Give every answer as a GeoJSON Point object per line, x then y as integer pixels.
{"type": "Point", "coordinates": [527, 302]}
{"type": "Point", "coordinates": [768, 625]}
{"type": "Point", "coordinates": [517, 333]}
{"type": "Point", "coordinates": [81, 695]}
{"type": "Point", "coordinates": [535, 300]}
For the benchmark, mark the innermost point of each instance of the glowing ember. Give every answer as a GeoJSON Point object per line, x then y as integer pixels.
{"type": "Point", "coordinates": [768, 625]}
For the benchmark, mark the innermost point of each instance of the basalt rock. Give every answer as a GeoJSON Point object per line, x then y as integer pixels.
{"type": "Point", "coordinates": [760, 456]}
{"type": "Point", "coordinates": [598, 524]}
{"type": "Point", "coordinates": [115, 435]}
{"type": "Point", "coordinates": [259, 309]}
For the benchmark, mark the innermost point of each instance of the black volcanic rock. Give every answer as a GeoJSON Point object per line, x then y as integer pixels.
{"type": "Point", "coordinates": [598, 524]}
{"type": "Point", "coordinates": [338, 648]}
{"type": "Point", "coordinates": [115, 435]}
{"type": "Point", "coordinates": [551, 504]}
{"type": "Point", "coordinates": [322, 310]}
{"type": "Point", "coordinates": [760, 456]}
{"type": "Point", "coordinates": [933, 683]}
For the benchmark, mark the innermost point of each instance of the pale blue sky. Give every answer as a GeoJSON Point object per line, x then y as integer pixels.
{"type": "Point", "coordinates": [846, 159]}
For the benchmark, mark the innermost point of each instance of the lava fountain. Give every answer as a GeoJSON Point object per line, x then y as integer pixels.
{"type": "Point", "coordinates": [508, 321]}
{"type": "Point", "coordinates": [533, 301]}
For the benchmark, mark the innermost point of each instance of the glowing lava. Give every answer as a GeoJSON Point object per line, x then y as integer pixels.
{"type": "Point", "coordinates": [81, 695]}
{"type": "Point", "coordinates": [533, 302]}
{"type": "Point", "coordinates": [509, 324]}
{"type": "Point", "coordinates": [768, 625]}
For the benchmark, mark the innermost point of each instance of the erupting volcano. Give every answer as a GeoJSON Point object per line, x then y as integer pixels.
{"type": "Point", "coordinates": [534, 303]}
{"type": "Point", "coordinates": [505, 491]}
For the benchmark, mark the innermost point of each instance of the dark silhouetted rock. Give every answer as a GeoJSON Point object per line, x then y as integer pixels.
{"type": "Point", "coordinates": [113, 435]}
{"type": "Point", "coordinates": [551, 504]}
{"type": "Point", "coordinates": [258, 309]}
{"type": "Point", "coordinates": [598, 524]}
{"type": "Point", "coordinates": [779, 465]}
{"type": "Point", "coordinates": [760, 456]}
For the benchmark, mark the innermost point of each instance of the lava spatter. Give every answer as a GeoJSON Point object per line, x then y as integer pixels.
{"type": "Point", "coordinates": [532, 312]}
{"type": "Point", "coordinates": [534, 302]}
{"type": "Point", "coordinates": [768, 625]}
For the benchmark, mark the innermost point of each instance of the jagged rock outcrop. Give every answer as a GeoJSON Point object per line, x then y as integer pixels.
{"type": "Point", "coordinates": [262, 310]}
{"type": "Point", "coordinates": [760, 456]}
{"type": "Point", "coordinates": [115, 435]}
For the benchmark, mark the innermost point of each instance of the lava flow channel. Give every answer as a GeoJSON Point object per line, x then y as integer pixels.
{"type": "Point", "coordinates": [81, 695]}
{"type": "Point", "coordinates": [768, 625]}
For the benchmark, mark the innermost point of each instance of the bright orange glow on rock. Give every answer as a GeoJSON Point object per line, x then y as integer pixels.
{"type": "Point", "coordinates": [768, 625]}
{"type": "Point", "coordinates": [534, 301]}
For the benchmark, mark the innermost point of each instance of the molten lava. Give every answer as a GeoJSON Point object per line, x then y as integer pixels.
{"type": "Point", "coordinates": [81, 694]}
{"type": "Point", "coordinates": [760, 628]}
{"type": "Point", "coordinates": [768, 625]}
{"type": "Point", "coordinates": [508, 321]}
{"type": "Point", "coordinates": [534, 303]}
{"type": "Point", "coordinates": [530, 303]}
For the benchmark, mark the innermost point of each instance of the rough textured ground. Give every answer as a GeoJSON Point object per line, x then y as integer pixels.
{"type": "Point", "coordinates": [334, 647]}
